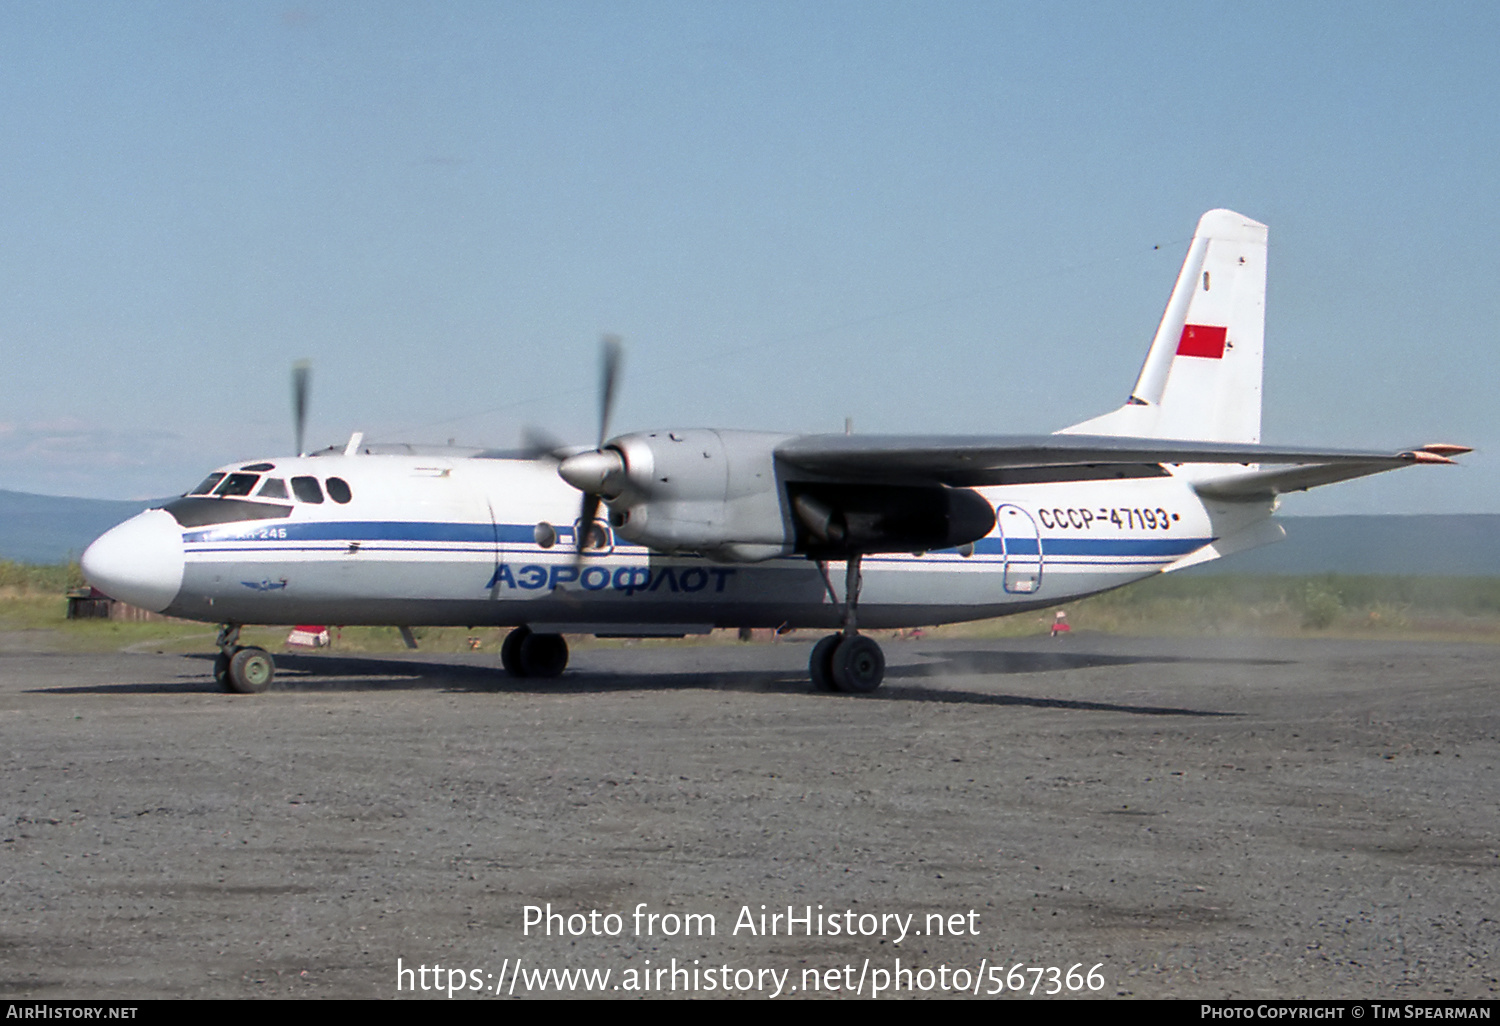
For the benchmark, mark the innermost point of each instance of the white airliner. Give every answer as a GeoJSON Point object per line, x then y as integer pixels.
{"type": "Point", "coordinates": [711, 528]}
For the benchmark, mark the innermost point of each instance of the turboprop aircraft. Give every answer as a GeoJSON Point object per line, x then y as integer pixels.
{"type": "Point", "coordinates": [682, 531]}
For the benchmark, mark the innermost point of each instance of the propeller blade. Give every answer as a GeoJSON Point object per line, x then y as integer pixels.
{"type": "Point", "coordinates": [301, 383]}
{"type": "Point", "coordinates": [609, 376]}
{"type": "Point", "coordinates": [539, 443]}
{"type": "Point", "coordinates": [590, 471]}
{"type": "Point", "coordinates": [587, 514]}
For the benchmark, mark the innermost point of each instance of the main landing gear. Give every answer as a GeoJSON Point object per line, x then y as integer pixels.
{"type": "Point", "coordinates": [243, 670]}
{"type": "Point", "coordinates": [846, 661]}
{"type": "Point", "coordinates": [527, 654]}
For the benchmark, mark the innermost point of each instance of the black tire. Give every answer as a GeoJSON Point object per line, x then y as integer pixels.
{"type": "Point", "coordinates": [510, 651]}
{"type": "Point", "coordinates": [543, 655]}
{"type": "Point", "coordinates": [858, 665]}
{"type": "Point", "coordinates": [251, 671]}
{"type": "Point", "coordinates": [820, 664]}
{"type": "Point", "coordinates": [221, 670]}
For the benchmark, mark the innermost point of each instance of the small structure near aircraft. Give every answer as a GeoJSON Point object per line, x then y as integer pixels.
{"type": "Point", "coordinates": [308, 636]}
{"type": "Point", "coordinates": [88, 604]}
{"type": "Point", "coordinates": [93, 604]}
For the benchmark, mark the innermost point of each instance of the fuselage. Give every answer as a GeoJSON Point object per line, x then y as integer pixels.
{"type": "Point", "coordinates": [432, 540]}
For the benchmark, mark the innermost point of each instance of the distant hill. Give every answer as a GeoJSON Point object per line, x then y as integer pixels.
{"type": "Point", "coordinates": [48, 529]}
{"type": "Point", "coordinates": [1447, 545]}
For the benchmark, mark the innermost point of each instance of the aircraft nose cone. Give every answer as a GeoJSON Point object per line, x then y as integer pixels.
{"type": "Point", "coordinates": [139, 562]}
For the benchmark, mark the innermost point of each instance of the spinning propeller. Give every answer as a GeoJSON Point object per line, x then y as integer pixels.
{"type": "Point", "coordinates": [592, 471]}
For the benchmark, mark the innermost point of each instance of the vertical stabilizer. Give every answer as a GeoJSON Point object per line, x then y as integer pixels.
{"type": "Point", "coordinates": [1202, 376]}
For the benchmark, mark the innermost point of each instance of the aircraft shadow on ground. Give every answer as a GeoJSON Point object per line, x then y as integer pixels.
{"type": "Point", "coordinates": [904, 682]}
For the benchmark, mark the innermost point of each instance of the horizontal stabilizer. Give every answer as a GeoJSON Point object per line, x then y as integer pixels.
{"type": "Point", "coordinates": [1264, 532]}
{"type": "Point", "coordinates": [1266, 483]}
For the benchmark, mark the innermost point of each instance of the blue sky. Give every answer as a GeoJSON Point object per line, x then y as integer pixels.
{"type": "Point", "coordinates": [936, 217]}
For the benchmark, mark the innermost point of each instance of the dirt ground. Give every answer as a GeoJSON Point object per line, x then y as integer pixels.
{"type": "Point", "coordinates": [1259, 818]}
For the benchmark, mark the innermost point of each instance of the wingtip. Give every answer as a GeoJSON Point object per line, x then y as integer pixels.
{"type": "Point", "coordinates": [1445, 449]}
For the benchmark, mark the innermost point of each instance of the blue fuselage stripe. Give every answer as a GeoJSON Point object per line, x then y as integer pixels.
{"type": "Point", "coordinates": [215, 539]}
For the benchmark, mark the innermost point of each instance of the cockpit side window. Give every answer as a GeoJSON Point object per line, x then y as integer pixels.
{"type": "Point", "coordinates": [338, 490]}
{"type": "Point", "coordinates": [207, 485]}
{"type": "Point", "coordinates": [306, 489]}
{"type": "Point", "coordinates": [237, 484]}
{"type": "Point", "coordinates": [274, 488]}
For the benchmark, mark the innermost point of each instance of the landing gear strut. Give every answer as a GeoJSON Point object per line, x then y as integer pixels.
{"type": "Point", "coordinates": [245, 670]}
{"type": "Point", "coordinates": [525, 654]}
{"type": "Point", "coordinates": [847, 661]}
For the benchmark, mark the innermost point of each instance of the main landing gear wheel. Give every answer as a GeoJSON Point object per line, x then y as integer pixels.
{"type": "Point", "coordinates": [249, 672]}
{"type": "Point", "coordinates": [820, 666]}
{"type": "Point", "coordinates": [858, 664]}
{"type": "Point", "coordinates": [524, 654]}
{"type": "Point", "coordinates": [510, 651]}
{"type": "Point", "coordinates": [846, 661]}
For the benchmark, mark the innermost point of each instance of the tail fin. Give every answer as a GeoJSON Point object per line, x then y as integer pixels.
{"type": "Point", "coordinates": [1202, 377]}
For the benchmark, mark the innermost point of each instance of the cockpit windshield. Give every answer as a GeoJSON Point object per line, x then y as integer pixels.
{"type": "Point", "coordinates": [237, 484]}
{"type": "Point", "coordinates": [222, 497]}
{"type": "Point", "coordinates": [207, 485]}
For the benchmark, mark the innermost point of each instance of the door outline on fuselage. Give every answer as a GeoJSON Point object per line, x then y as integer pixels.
{"type": "Point", "coordinates": [497, 548]}
{"type": "Point", "coordinates": [1023, 549]}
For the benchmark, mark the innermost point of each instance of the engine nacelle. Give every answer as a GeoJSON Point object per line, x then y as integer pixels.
{"type": "Point", "coordinates": [837, 519]}
{"type": "Point", "coordinates": [722, 494]}
{"type": "Point", "coordinates": [701, 490]}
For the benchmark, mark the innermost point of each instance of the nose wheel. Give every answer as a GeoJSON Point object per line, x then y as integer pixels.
{"type": "Point", "coordinates": [847, 661]}
{"type": "Point", "coordinates": [243, 670]}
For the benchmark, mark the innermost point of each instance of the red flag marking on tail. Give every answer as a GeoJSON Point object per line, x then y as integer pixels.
{"type": "Point", "coordinates": [1201, 340]}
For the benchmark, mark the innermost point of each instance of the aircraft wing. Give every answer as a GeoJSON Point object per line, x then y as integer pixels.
{"type": "Point", "coordinates": [965, 461]}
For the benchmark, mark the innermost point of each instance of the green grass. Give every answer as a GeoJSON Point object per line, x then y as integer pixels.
{"type": "Point", "coordinates": [25, 577]}
{"type": "Point", "coordinates": [33, 611]}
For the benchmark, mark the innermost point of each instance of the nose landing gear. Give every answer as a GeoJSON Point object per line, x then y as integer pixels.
{"type": "Point", "coordinates": [245, 670]}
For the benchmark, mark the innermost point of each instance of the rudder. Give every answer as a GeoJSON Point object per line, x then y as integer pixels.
{"type": "Point", "coordinates": [1202, 376]}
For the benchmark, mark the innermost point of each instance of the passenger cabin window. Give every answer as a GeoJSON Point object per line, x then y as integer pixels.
{"type": "Point", "coordinates": [237, 484]}
{"type": "Point", "coordinates": [306, 489]}
{"type": "Point", "coordinates": [207, 485]}
{"type": "Point", "coordinates": [274, 488]}
{"type": "Point", "coordinates": [338, 490]}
